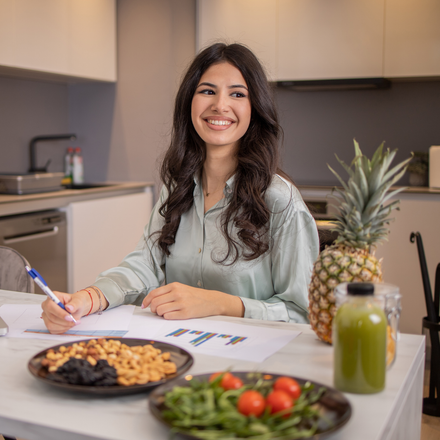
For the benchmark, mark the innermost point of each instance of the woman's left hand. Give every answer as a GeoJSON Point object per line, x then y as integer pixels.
{"type": "Point", "coordinates": [179, 301]}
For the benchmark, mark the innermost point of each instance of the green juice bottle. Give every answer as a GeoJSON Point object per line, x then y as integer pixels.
{"type": "Point", "coordinates": [359, 340]}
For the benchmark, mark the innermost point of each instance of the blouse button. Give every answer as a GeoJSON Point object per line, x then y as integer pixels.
{"type": "Point", "coordinates": [199, 283]}
{"type": "Point", "coordinates": [200, 250]}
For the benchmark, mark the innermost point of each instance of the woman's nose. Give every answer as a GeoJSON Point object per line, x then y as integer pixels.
{"type": "Point", "coordinates": [220, 103]}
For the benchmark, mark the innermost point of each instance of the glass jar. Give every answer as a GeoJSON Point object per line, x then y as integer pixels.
{"type": "Point", "coordinates": [388, 297]}
{"type": "Point", "coordinates": [360, 341]}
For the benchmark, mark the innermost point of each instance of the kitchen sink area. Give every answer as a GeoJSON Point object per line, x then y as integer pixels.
{"type": "Point", "coordinates": [90, 185]}
{"type": "Point", "coordinates": [41, 182]}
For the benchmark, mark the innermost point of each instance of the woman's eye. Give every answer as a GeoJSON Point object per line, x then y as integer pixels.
{"type": "Point", "coordinates": [238, 95]}
{"type": "Point", "coordinates": [207, 92]}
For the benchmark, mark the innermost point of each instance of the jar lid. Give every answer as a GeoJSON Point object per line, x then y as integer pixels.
{"type": "Point", "coordinates": [360, 289]}
{"type": "Point", "coordinates": [385, 290]}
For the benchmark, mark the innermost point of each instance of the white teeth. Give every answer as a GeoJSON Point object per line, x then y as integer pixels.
{"type": "Point", "coordinates": [217, 122]}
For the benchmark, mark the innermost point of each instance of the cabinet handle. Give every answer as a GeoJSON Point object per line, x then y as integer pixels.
{"type": "Point", "coordinates": [31, 236]}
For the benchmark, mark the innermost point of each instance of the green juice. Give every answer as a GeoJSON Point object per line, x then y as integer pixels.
{"type": "Point", "coordinates": [359, 339]}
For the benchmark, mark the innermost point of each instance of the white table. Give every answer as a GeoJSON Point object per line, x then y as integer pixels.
{"type": "Point", "coordinates": [35, 411]}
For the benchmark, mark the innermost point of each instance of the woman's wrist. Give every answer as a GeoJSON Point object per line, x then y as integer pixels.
{"type": "Point", "coordinates": [230, 305]}
{"type": "Point", "coordinates": [93, 299]}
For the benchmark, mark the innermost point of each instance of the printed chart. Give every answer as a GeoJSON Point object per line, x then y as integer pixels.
{"type": "Point", "coordinates": [199, 337]}
{"type": "Point", "coordinates": [223, 339]}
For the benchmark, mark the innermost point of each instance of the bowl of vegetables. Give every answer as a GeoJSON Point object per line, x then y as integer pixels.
{"type": "Point", "coordinates": [254, 405]}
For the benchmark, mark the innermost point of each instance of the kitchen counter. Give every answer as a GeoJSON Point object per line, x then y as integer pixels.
{"type": "Point", "coordinates": [35, 411]}
{"type": "Point", "coordinates": [408, 189]}
{"type": "Point", "coordinates": [322, 193]}
{"type": "Point", "coordinates": [17, 204]}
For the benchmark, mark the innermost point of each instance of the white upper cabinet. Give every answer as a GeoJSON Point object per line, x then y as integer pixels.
{"type": "Point", "coordinates": [330, 39]}
{"type": "Point", "coordinates": [412, 38]}
{"type": "Point", "coordinates": [92, 44]}
{"type": "Point", "coordinates": [58, 39]}
{"type": "Point", "coordinates": [250, 22]}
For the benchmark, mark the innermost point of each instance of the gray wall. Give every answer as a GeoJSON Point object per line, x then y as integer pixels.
{"type": "Point", "coordinates": [318, 124]}
{"type": "Point", "coordinates": [28, 109]}
{"type": "Point", "coordinates": [125, 127]}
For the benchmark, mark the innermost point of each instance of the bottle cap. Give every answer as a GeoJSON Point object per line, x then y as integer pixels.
{"type": "Point", "coordinates": [70, 149]}
{"type": "Point", "coordinates": [360, 289]}
{"type": "Point", "coordinates": [78, 149]}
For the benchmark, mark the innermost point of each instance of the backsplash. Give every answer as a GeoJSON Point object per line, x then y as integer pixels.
{"type": "Point", "coordinates": [27, 109]}
{"type": "Point", "coordinates": [318, 124]}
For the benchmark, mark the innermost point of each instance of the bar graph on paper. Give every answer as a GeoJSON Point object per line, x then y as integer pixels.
{"type": "Point", "coordinates": [208, 339]}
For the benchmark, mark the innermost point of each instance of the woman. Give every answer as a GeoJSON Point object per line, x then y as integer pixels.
{"type": "Point", "coordinates": [230, 235]}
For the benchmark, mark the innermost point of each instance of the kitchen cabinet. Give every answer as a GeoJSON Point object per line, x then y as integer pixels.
{"type": "Point", "coordinates": [300, 39]}
{"type": "Point", "coordinates": [318, 39]}
{"type": "Point", "coordinates": [103, 224]}
{"type": "Point", "coordinates": [321, 39]}
{"type": "Point", "coordinates": [412, 38]}
{"type": "Point", "coordinates": [58, 39]}
{"type": "Point", "coordinates": [102, 232]}
{"type": "Point", "coordinates": [250, 22]}
{"type": "Point", "coordinates": [418, 213]}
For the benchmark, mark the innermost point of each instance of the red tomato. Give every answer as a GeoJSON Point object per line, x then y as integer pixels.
{"type": "Point", "coordinates": [251, 402]}
{"type": "Point", "coordinates": [279, 400]}
{"type": "Point", "coordinates": [289, 385]}
{"type": "Point", "coordinates": [228, 382]}
{"type": "Point", "coordinates": [231, 382]}
{"type": "Point", "coordinates": [214, 376]}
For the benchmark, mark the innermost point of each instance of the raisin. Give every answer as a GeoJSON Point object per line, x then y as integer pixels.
{"type": "Point", "coordinates": [81, 372]}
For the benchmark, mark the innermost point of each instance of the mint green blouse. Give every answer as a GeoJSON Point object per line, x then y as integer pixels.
{"type": "Point", "coordinates": [273, 287]}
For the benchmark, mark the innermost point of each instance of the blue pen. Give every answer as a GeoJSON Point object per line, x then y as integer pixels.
{"type": "Point", "coordinates": [39, 281]}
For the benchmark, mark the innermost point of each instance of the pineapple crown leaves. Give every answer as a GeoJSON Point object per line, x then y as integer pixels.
{"type": "Point", "coordinates": [363, 217]}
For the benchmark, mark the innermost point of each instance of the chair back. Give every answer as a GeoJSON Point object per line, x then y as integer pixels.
{"type": "Point", "coordinates": [13, 274]}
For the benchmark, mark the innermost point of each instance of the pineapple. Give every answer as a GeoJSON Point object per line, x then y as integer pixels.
{"type": "Point", "coordinates": [361, 225]}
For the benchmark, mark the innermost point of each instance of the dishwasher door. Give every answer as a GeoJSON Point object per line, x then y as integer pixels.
{"type": "Point", "coordinates": [41, 237]}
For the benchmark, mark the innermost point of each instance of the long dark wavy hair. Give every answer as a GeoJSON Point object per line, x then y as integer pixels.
{"type": "Point", "coordinates": [257, 157]}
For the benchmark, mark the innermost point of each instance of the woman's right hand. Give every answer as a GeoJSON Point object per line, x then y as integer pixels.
{"type": "Point", "coordinates": [56, 319]}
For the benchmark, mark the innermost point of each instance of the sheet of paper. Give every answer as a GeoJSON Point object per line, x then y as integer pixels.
{"type": "Point", "coordinates": [216, 338]}
{"type": "Point", "coordinates": [24, 320]}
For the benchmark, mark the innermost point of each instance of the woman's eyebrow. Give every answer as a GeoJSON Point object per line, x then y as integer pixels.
{"type": "Point", "coordinates": [207, 84]}
{"type": "Point", "coordinates": [239, 86]}
{"type": "Point", "coordinates": [234, 86]}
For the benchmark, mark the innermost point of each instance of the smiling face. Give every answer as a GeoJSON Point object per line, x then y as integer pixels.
{"type": "Point", "coordinates": [221, 108]}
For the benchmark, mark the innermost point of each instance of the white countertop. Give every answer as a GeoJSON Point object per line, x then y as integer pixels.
{"type": "Point", "coordinates": [11, 204]}
{"type": "Point", "coordinates": [408, 189]}
{"type": "Point", "coordinates": [35, 411]}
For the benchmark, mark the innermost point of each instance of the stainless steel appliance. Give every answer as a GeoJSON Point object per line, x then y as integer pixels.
{"type": "Point", "coordinates": [30, 183]}
{"type": "Point", "coordinates": [41, 237]}
{"type": "Point", "coordinates": [323, 212]}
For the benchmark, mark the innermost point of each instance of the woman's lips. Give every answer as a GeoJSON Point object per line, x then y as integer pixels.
{"type": "Point", "coordinates": [218, 124]}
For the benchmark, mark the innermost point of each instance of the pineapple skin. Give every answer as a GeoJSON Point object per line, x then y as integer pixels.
{"type": "Point", "coordinates": [337, 264]}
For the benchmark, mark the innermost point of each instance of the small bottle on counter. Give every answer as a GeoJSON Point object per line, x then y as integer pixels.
{"type": "Point", "coordinates": [359, 340]}
{"type": "Point", "coordinates": [77, 167]}
{"type": "Point", "coordinates": [68, 166]}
